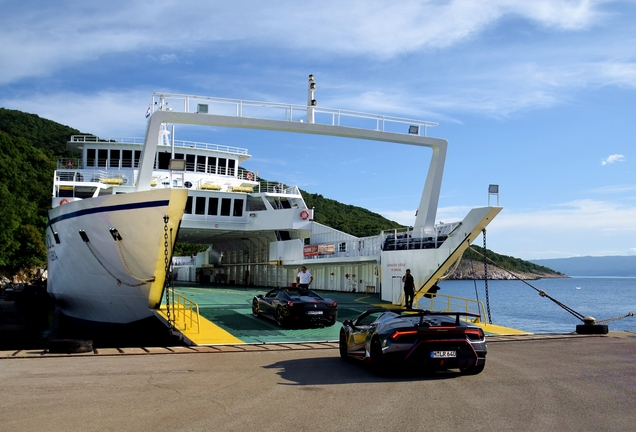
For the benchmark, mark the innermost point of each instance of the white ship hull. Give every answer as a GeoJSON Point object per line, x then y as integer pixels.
{"type": "Point", "coordinates": [93, 276]}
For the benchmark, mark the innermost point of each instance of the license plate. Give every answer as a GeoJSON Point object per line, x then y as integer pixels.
{"type": "Point", "coordinates": [443, 354]}
{"type": "Point", "coordinates": [314, 312]}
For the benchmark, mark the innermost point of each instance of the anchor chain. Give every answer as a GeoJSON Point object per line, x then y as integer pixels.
{"type": "Point", "coordinates": [630, 314]}
{"type": "Point", "coordinates": [167, 270]}
{"type": "Point", "coordinates": [486, 279]}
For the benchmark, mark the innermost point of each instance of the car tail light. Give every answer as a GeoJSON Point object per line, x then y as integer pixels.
{"type": "Point", "coordinates": [290, 303]}
{"type": "Point", "coordinates": [399, 333]}
{"type": "Point", "coordinates": [475, 334]}
{"type": "Point", "coordinates": [334, 303]}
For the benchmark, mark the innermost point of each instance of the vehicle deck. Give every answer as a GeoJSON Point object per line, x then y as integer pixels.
{"type": "Point", "coordinates": [226, 317]}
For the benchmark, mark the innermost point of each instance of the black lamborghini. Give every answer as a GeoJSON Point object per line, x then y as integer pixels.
{"type": "Point", "coordinates": [292, 307]}
{"type": "Point", "coordinates": [387, 338]}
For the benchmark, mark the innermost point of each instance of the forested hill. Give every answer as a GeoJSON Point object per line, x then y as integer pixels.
{"type": "Point", "coordinates": [353, 220]}
{"type": "Point", "coordinates": [29, 148]}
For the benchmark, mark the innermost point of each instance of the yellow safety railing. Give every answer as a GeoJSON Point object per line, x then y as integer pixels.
{"type": "Point", "coordinates": [441, 302]}
{"type": "Point", "coordinates": [184, 313]}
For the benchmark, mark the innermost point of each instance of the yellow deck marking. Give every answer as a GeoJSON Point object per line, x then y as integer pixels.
{"type": "Point", "coordinates": [500, 330]}
{"type": "Point", "coordinates": [208, 333]}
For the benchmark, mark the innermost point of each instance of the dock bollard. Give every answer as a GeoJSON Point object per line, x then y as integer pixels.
{"type": "Point", "coordinates": [589, 326]}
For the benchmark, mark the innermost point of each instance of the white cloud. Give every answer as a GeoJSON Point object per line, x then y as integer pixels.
{"type": "Point", "coordinates": [107, 114]}
{"type": "Point", "coordinates": [36, 41]}
{"type": "Point", "coordinates": [583, 227]}
{"type": "Point", "coordinates": [577, 228]}
{"type": "Point", "coordinates": [613, 158]}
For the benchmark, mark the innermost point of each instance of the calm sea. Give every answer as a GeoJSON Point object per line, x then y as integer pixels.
{"type": "Point", "coordinates": [515, 304]}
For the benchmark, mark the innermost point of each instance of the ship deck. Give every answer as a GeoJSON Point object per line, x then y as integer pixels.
{"type": "Point", "coordinates": [226, 317]}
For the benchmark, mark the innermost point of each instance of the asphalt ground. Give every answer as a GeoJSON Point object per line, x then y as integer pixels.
{"type": "Point", "coordinates": [530, 383]}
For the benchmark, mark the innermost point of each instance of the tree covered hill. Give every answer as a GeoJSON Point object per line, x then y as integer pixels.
{"type": "Point", "coordinates": [29, 148]}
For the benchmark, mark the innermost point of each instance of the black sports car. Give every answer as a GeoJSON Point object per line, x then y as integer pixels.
{"type": "Point", "coordinates": [293, 307]}
{"type": "Point", "coordinates": [433, 340]}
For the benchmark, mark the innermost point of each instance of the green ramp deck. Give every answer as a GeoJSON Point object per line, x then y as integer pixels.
{"type": "Point", "coordinates": [226, 317]}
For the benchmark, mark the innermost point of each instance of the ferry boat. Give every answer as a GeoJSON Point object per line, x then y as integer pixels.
{"type": "Point", "coordinates": [120, 205]}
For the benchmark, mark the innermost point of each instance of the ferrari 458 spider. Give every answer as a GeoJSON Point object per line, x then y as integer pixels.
{"type": "Point", "coordinates": [295, 307]}
{"type": "Point", "coordinates": [433, 340]}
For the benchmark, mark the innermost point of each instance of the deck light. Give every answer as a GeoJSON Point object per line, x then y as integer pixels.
{"type": "Point", "coordinates": [414, 130]}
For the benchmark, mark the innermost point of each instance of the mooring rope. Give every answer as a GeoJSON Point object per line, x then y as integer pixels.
{"type": "Point", "coordinates": [542, 293]}
{"type": "Point", "coordinates": [119, 281]}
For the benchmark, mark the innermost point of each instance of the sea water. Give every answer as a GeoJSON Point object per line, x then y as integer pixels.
{"type": "Point", "coordinates": [513, 303]}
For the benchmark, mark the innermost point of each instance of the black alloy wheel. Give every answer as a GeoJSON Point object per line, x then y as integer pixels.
{"type": "Point", "coordinates": [255, 308]}
{"type": "Point", "coordinates": [342, 345]}
{"type": "Point", "coordinates": [280, 318]}
{"type": "Point", "coordinates": [375, 352]}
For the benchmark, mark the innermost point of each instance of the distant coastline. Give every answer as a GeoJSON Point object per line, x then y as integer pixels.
{"type": "Point", "coordinates": [602, 266]}
{"type": "Point", "coordinates": [471, 269]}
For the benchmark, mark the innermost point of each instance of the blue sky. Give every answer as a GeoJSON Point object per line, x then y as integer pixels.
{"type": "Point", "coordinates": [536, 96]}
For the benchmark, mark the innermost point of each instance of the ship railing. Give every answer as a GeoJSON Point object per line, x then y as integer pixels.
{"type": "Point", "coordinates": [446, 303]}
{"type": "Point", "coordinates": [409, 238]}
{"type": "Point", "coordinates": [277, 188]}
{"type": "Point", "coordinates": [69, 163]}
{"type": "Point", "coordinates": [184, 313]}
{"type": "Point", "coordinates": [287, 112]}
{"type": "Point", "coordinates": [177, 143]}
{"type": "Point", "coordinates": [359, 247]}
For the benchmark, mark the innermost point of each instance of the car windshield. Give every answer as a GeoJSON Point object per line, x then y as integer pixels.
{"type": "Point", "coordinates": [296, 292]}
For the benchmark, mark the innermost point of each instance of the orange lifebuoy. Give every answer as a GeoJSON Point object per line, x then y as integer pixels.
{"type": "Point", "coordinates": [69, 164]}
{"type": "Point", "coordinates": [249, 176]}
{"type": "Point", "coordinates": [304, 215]}
{"type": "Point", "coordinates": [65, 201]}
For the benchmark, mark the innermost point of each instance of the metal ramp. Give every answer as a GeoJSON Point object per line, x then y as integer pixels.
{"type": "Point", "coordinates": [222, 315]}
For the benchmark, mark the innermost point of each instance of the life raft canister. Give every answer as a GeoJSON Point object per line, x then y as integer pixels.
{"type": "Point", "coordinates": [304, 215]}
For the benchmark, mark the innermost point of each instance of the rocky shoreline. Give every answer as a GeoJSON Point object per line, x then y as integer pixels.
{"type": "Point", "coordinates": [470, 269]}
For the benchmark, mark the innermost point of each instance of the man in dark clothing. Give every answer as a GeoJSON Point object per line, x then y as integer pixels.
{"type": "Point", "coordinates": [409, 289]}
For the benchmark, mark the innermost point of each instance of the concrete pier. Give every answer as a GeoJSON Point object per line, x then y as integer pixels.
{"type": "Point", "coordinates": [531, 383]}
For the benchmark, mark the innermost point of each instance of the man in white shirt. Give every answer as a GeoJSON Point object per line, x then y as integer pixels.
{"type": "Point", "coordinates": [304, 279]}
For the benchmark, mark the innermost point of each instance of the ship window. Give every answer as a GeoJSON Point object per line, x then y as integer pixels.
{"type": "Point", "coordinates": [164, 160]}
{"type": "Point", "coordinates": [226, 205]}
{"type": "Point", "coordinates": [255, 204]}
{"type": "Point", "coordinates": [238, 208]}
{"type": "Point", "coordinates": [90, 157]}
{"type": "Point", "coordinates": [189, 162]}
{"type": "Point", "coordinates": [231, 164]}
{"type": "Point", "coordinates": [200, 206]}
{"type": "Point", "coordinates": [188, 206]}
{"type": "Point", "coordinates": [126, 159]}
{"type": "Point", "coordinates": [342, 247]}
{"type": "Point", "coordinates": [212, 165]}
{"type": "Point", "coordinates": [200, 164]}
{"type": "Point", "coordinates": [102, 156]}
{"type": "Point", "coordinates": [213, 206]}
{"type": "Point", "coordinates": [222, 169]}
{"type": "Point", "coordinates": [137, 156]}
{"type": "Point", "coordinates": [114, 159]}
{"type": "Point", "coordinates": [178, 155]}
